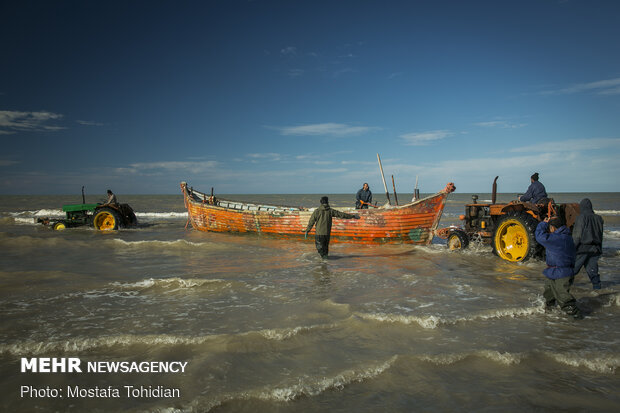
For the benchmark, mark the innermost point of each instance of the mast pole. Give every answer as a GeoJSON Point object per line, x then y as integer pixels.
{"type": "Point", "coordinates": [387, 194]}
{"type": "Point", "coordinates": [394, 186]}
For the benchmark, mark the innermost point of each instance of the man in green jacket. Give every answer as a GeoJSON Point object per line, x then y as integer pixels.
{"type": "Point", "coordinates": [322, 217]}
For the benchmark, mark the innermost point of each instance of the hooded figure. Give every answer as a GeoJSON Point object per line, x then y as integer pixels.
{"type": "Point", "coordinates": [588, 238]}
{"type": "Point", "coordinates": [322, 217]}
{"type": "Point", "coordinates": [560, 256]}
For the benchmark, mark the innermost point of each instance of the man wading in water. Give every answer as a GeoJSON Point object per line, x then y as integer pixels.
{"type": "Point", "coordinates": [322, 217]}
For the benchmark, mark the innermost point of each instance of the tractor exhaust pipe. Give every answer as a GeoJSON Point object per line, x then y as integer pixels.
{"type": "Point", "coordinates": [494, 193]}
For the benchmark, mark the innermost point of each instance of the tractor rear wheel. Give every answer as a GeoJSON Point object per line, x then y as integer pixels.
{"type": "Point", "coordinates": [513, 239]}
{"type": "Point", "coordinates": [106, 219]}
{"type": "Point", "coordinates": [457, 240]}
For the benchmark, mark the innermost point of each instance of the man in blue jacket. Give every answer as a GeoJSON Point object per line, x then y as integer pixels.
{"type": "Point", "coordinates": [588, 239]}
{"type": "Point", "coordinates": [363, 198]}
{"type": "Point", "coordinates": [536, 192]}
{"type": "Point", "coordinates": [560, 251]}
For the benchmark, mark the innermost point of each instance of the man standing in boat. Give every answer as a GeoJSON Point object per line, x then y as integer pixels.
{"type": "Point", "coordinates": [363, 197]}
{"type": "Point", "coordinates": [322, 217]}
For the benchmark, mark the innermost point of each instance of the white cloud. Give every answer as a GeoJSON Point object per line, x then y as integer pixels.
{"type": "Point", "coordinates": [424, 138]}
{"type": "Point", "coordinates": [7, 163]}
{"type": "Point", "coordinates": [14, 121]}
{"type": "Point", "coordinates": [325, 129]}
{"type": "Point", "coordinates": [601, 87]}
{"type": "Point", "coordinates": [154, 168]}
{"type": "Point", "coordinates": [89, 123]}
{"type": "Point", "coordinates": [265, 156]}
{"type": "Point", "coordinates": [571, 145]}
{"type": "Point", "coordinates": [296, 72]}
{"type": "Point", "coordinates": [500, 124]}
{"type": "Point", "coordinates": [289, 50]}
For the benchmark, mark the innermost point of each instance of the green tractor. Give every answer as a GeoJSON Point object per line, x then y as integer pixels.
{"type": "Point", "coordinates": [104, 217]}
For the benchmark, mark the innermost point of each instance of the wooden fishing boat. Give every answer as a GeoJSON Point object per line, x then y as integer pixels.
{"type": "Point", "coordinates": [413, 223]}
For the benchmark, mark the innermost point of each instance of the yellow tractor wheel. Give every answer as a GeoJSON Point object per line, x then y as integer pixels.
{"type": "Point", "coordinates": [59, 226]}
{"type": "Point", "coordinates": [106, 219]}
{"type": "Point", "coordinates": [513, 239]}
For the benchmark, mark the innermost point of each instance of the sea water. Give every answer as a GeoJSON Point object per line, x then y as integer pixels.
{"type": "Point", "coordinates": [265, 325]}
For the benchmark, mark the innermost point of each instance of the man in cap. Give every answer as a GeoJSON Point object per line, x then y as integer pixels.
{"type": "Point", "coordinates": [322, 217]}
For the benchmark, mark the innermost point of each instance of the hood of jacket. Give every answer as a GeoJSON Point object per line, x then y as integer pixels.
{"type": "Point", "coordinates": [324, 207]}
{"type": "Point", "coordinates": [585, 207]}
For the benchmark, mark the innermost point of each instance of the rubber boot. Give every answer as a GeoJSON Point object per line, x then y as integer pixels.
{"type": "Point", "coordinates": [573, 311]}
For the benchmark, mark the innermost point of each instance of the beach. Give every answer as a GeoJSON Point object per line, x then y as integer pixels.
{"type": "Point", "coordinates": [265, 325]}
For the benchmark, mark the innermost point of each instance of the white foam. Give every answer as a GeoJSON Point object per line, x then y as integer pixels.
{"type": "Point", "coordinates": [178, 242]}
{"type": "Point", "coordinates": [607, 212]}
{"type": "Point", "coordinates": [611, 234]}
{"type": "Point", "coordinates": [178, 215]}
{"type": "Point", "coordinates": [174, 281]}
{"type": "Point", "coordinates": [496, 356]}
{"type": "Point", "coordinates": [312, 386]}
{"type": "Point", "coordinates": [599, 364]}
{"type": "Point", "coordinates": [281, 334]}
{"type": "Point", "coordinates": [432, 321]}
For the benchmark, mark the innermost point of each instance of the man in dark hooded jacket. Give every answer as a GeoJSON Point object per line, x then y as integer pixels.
{"type": "Point", "coordinates": [560, 252]}
{"type": "Point", "coordinates": [588, 239]}
{"type": "Point", "coordinates": [536, 192]}
{"type": "Point", "coordinates": [322, 217]}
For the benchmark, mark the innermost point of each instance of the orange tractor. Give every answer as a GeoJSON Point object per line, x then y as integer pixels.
{"type": "Point", "coordinates": [509, 228]}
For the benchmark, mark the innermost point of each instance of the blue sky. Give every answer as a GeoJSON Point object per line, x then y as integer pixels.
{"type": "Point", "coordinates": [299, 96]}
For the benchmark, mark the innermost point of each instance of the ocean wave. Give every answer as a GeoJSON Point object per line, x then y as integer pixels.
{"type": "Point", "coordinates": [312, 386]}
{"type": "Point", "coordinates": [607, 212]}
{"type": "Point", "coordinates": [611, 233]}
{"type": "Point", "coordinates": [80, 344]}
{"type": "Point", "coordinates": [175, 282]}
{"type": "Point", "coordinates": [59, 213]}
{"type": "Point", "coordinates": [305, 385]}
{"type": "Point", "coordinates": [433, 321]}
{"type": "Point", "coordinates": [43, 213]}
{"type": "Point", "coordinates": [493, 355]}
{"type": "Point", "coordinates": [177, 215]}
{"type": "Point", "coordinates": [281, 334]}
{"type": "Point", "coordinates": [599, 364]}
{"type": "Point", "coordinates": [24, 221]}
{"type": "Point", "coordinates": [178, 244]}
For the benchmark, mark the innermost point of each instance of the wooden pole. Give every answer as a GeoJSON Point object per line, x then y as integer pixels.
{"type": "Point", "coordinates": [387, 194]}
{"type": "Point", "coordinates": [394, 186]}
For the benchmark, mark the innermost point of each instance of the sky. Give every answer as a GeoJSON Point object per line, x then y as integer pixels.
{"type": "Point", "coordinates": [300, 96]}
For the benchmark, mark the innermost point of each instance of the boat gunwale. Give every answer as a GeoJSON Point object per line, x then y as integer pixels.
{"type": "Point", "coordinates": [278, 209]}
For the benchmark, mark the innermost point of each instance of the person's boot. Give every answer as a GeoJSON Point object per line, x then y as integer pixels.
{"type": "Point", "coordinates": [573, 311]}
{"type": "Point", "coordinates": [549, 305]}
{"type": "Point", "coordinates": [596, 286]}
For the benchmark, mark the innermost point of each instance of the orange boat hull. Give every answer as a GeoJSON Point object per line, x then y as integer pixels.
{"type": "Point", "coordinates": [413, 223]}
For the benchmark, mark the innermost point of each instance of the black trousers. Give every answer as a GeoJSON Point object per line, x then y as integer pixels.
{"type": "Point", "coordinates": [322, 244]}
